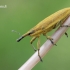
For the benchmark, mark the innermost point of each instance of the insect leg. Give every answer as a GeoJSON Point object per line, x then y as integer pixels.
{"type": "Point", "coordinates": [63, 20]}
{"type": "Point", "coordinates": [64, 25]}
{"type": "Point", "coordinates": [66, 34]}
{"type": "Point", "coordinates": [51, 39]}
{"type": "Point", "coordinates": [32, 42]}
{"type": "Point", "coordinates": [38, 46]}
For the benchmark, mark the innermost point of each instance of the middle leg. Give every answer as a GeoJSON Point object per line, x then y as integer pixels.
{"type": "Point", "coordinates": [51, 39]}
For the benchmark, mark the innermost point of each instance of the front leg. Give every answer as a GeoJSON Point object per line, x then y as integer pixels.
{"type": "Point", "coordinates": [38, 46]}
{"type": "Point", "coordinates": [32, 42]}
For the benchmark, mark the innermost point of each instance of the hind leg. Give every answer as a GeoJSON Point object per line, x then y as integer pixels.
{"type": "Point", "coordinates": [64, 25]}
{"type": "Point", "coordinates": [32, 42]}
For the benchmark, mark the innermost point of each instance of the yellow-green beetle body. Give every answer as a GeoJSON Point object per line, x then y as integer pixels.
{"type": "Point", "coordinates": [46, 25]}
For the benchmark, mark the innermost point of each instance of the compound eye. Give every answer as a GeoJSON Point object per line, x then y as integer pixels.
{"type": "Point", "coordinates": [31, 32]}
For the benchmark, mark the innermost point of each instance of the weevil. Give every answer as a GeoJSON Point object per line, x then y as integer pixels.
{"type": "Point", "coordinates": [51, 22]}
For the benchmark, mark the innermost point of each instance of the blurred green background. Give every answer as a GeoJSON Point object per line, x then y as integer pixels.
{"type": "Point", "coordinates": [22, 15]}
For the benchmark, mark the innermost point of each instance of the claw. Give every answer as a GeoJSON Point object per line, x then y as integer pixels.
{"type": "Point", "coordinates": [53, 43]}
{"type": "Point", "coordinates": [40, 56]}
{"type": "Point", "coordinates": [33, 47]}
{"type": "Point", "coordinates": [40, 59]}
{"type": "Point", "coordinates": [66, 34]}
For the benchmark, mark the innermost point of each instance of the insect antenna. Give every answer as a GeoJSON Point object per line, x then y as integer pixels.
{"type": "Point", "coordinates": [16, 32]}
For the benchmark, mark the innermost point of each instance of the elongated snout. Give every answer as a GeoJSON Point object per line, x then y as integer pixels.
{"type": "Point", "coordinates": [20, 38]}
{"type": "Point", "coordinates": [26, 34]}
